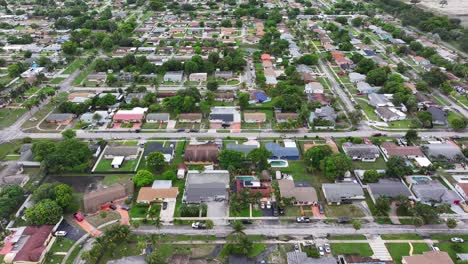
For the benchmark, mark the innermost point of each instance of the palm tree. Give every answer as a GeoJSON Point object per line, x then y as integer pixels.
{"type": "Point", "coordinates": [158, 223]}
{"type": "Point", "coordinates": [238, 227]}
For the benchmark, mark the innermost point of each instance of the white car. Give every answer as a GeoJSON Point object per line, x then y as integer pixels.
{"type": "Point", "coordinates": [268, 205]}
{"type": "Point", "coordinates": [60, 233]}
{"type": "Point", "coordinates": [262, 205]}
{"type": "Point", "coordinates": [321, 251]}
{"type": "Point", "coordinates": [434, 248]}
{"type": "Point", "coordinates": [327, 248]}
{"type": "Point", "coordinates": [457, 240]}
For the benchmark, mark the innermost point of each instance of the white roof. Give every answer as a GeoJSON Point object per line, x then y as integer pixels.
{"type": "Point", "coordinates": [118, 160]}
{"type": "Point", "coordinates": [162, 184]}
{"type": "Point", "coordinates": [423, 161]}
{"type": "Point", "coordinates": [290, 144]}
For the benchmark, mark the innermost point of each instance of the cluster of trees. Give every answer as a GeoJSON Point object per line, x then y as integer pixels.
{"type": "Point", "coordinates": [446, 28]}
{"type": "Point", "coordinates": [108, 243]}
{"type": "Point", "coordinates": [340, 37]}
{"type": "Point", "coordinates": [185, 101]}
{"type": "Point", "coordinates": [24, 39]}
{"type": "Point", "coordinates": [193, 210]}
{"type": "Point", "coordinates": [96, 102]}
{"type": "Point", "coordinates": [394, 84]}
{"type": "Point", "coordinates": [238, 162]}
{"type": "Point", "coordinates": [322, 158]}
{"type": "Point", "coordinates": [144, 177]}
{"type": "Point", "coordinates": [68, 155]}
{"type": "Point", "coordinates": [11, 197]}
{"type": "Point", "coordinates": [128, 63]}
{"type": "Point", "coordinates": [51, 199]}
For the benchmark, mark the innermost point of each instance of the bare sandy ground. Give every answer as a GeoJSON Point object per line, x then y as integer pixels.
{"type": "Point", "coordinates": [454, 8]}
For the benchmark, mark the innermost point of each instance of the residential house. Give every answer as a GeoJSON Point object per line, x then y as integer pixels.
{"type": "Point", "coordinates": [389, 114]}
{"type": "Point", "coordinates": [157, 118]}
{"type": "Point", "coordinates": [341, 60]}
{"type": "Point", "coordinates": [362, 152]}
{"type": "Point", "coordinates": [174, 76]}
{"type": "Point", "coordinates": [168, 152]}
{"type": "Point", "coordinates": [326, 113]}
{"type": "Point", "coordinates": [255, 117]}
{"type": "Point", "coordinates": [443, 152]}
{"type": "Point", "coordinates": [379, 100]}
{"type": "Point", "coordinates": [94, 200]}
{"type": "Point", "coordinates": [391, 188]}
{"type": "Point", "coordinates": [439, 116]}
{"type": "Point", "coordinates": [28, 244]}
{"type": "Point", "coordinates": [296, 257]}
{"type": "Point", "coordinates": [225, 75]}
{"type": "Point", "coordinates": [190, 118]}
{"type": "Point", "coordinates": [289, 151]}
{"type": "Point", "coordinates": [129, 152]}
{"type": "Point", "coordinates": [160, 191]}
{"type": "Point", "coordinates": [225, 116]}
{"type": "Point", "coordinates": [198, 77]}
{"type": "Point", "coordinates": [342, 192]}
{"type": "Point", "coordinates": [134, 97]}
{"type": "Point", "coordinates": [313, 87]}
{"type": "Point", "coordinates": [254, 185]}
{"type": "Point", "coordinates": [245, 148]}
{"type": "Point", "coordinates": [98, 77]}
{"type": "Point", "coordinates": [285, 117]}
{"type": "Point", "coordinates": [390, 149]}
{"type": "Point", "coordinates": [206, 186]}
{"type": "Point", "coordinates": [430, 257]}
{"type": "Point", "coordinates": [60, 119]}
{"type": "Point", "coordinates": [79, 97]}
{"type": "Point", "coordinates": [33, 71]}
{"type": "Point", "coordinates": [201, 154]}
{"type": "Point", "coordinates": [358, 259]}
{"type": "Point", "coordinates": [258, 97]}
{"type": "Point", "coordinates": [365, 88]}
{"type": "Point", "coordinates": [462, 189]}
{"type": "Point", "coordinates": [355, 77]}
{"type": "Point", "coordinates": [224, 97]}
{"type": "Point", "coordinates": [136, 115]}
{"type": "Point", "coordinates": [96, 117]}
{"type": "Point", "coordinates": [430, 192]}
{"type": "Point", "coordinates": [304, 195]}
{"type": "Point", "coordinates": [420, 60]}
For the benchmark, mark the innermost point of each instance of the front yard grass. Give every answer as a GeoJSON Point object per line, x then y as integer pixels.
{"type": "Point", "coordinates": [453, 248]}
{"type": "Point", "coordinates": [401, 237]}
{"type": "Point", "coordinates": [379, 164]}
{"type": "Point", "coordinates": [127, 166]}
{"type": "Point", "coordinates": [9, 116]}
{"type": "Point", "coordinates": [348, 237]}
{"type": "Point", "coordinates": [398, 250]}
{"type": "Point", "coordinates": [362, 249]}
{"type": "Point", "coordinates": [344, 210]}
{"type": "Point", "coordinates": [97, 220]}
{"type": "Point", "coordinates": [139, 210]}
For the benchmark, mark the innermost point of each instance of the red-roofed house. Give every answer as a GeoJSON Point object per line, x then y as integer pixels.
{"type": "Point", "coordinates": [261, 186]}
{"type": "Point", "coordinates": [390, 149]}
{"type": "Point", "coordinates": [266, 57]}
{"type": "Point", "coordinates": [341, 60]}
{"type": "Point", "coordinates": [30, 244]}
{"type": "Point", "coordinates": [136, 115]}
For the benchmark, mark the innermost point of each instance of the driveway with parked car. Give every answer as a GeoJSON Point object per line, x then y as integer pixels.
{"type": "Point", "coordinates": [167, 214]}
{"type": "Point", "coordinates": [73, 233]}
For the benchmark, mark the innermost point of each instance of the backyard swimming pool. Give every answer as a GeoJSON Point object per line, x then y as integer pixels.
{"type": "Point", "coordinates": [278, 163]}
{"type": "Point", "coordinates": [418, 179]}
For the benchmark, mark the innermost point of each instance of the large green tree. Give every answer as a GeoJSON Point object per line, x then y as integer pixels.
{"type": "Point", "coordinates": [337, 165]}
{"type": "Point", "coordinates": [315, 155]}
{"type": "Point", "coordinates": [259, 157]}
{"type": "Point", "coordinates": [231, 160]}
{"type": "Point", "coordinates": [396, 167]}
{"type": "Point", "coordinates": [46, 212]}
{"type": "Point", "coordinates": [155, 160]}
{"type": "Point", "coordinates": [143, 178]}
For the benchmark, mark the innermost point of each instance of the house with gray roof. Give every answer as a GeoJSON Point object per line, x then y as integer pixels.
{"type": "Point", "coordinates": [443, 152]}
{"type": "Point", "coordinates": [365, 88]}
{"type": "Point", "coordinates": [294, 257]}
{"type": "Point", "coordinates": [129, 152]}
{"type": "Point", "coordinates": [174, 76]}
{"type": "Point", "coordinates": [244, 148]}
{"type": "Point", "coordinates": [378, 100]}
{"type": "Point", "coordinates": [434, 192]}
{"type": "Point", "coordinates": [362, 152]}
{"type": "Point", "coordinates": [391, 188]}
{"type": "Point", "coordinates": [439, 116]}
{"type": "Point", "coordinates": [280, 152]}
{"type": "Point", "coordinates": [340, 192]}
{"type": "Point", "coordinates": [326, 113]}
{"type": "Point", "coordinates": [62, 119]}
{"type": "Point", "coordinates": [206, 186]}
{"type": "Point", "coordinates": [168, 152]}
{"type": "Point", "coordinates": [157, 117]}
{"type": "Point", "coordinates": [356, 77]}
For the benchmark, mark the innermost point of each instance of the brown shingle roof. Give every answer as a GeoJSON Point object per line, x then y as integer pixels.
{"type": "Point", "coordinates": [148, 194]}
{"type": "Point", "coordinates": [430, 257]}
{"type": "Point", "coordinates": [394, 150]}
{"type": "Point", "coordinates": [255, 116]}
{"type": "Point", "coordinates": [201, 153]}
{"type": "Point", "coordinates": [302, 194]}
{"type": "Point", "coordinates": [190, 116]}
{"type": "Point", "coordinates": [286, 116]}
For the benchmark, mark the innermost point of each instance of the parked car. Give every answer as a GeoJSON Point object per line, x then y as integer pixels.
{"type": "Point", "coordinates": [262, 205]}
{"type": "Point", "coordinates": [78, 216]}
{"type": "Point", "coordinates": [457, 240]}
{"type": "Point", "coordinates": [268, 205]}
{"type": "Point", "coordinates": [246, 222]}
{"type": "Point", "coordinates": [113, 207]}
{"type": "Point", "coordinates": [125, 207]}
{"type": "Point", "coordinates": [275, 211]}
{"type": "Point", "coordinates": [60, 233]}
{"type": "Point", "coordinates": [198, 225]}
{"type": "Point", "coordinates": [434, 248]}
{"type": "Point", "coordinates": [343, 220]}
{"type": "Point", "coordinates": [303, 219]}
{"type": "Point", "coordinates": [281, 210]}
{"type": "Point", "coordinates": [327, 248]}
{"type": "Point", "coordinates": [164, 205]}
{"type": "Point", "coordinates": [321, 251]}
{"type": "Point", "coordinates": [296, 247]}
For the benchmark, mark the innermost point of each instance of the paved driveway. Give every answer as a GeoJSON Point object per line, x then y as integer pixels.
{"type": "Point", "coordinates": [73, 232]}
{"type": "Point", "coordinates": [168, 214]}
{"type": "Point", "coordinates": [217, 209]}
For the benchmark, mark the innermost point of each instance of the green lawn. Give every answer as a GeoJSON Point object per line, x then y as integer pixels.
{"type": "Point", "coordinates": [407, 123]}
{"type": "Point", "coordinates": [452, 248]}
{"type": "Point", "coordinates": [139, 210]}
{"type": "Point", "coordinates": [127, 166]}
{"type": "Point", "coordinates": [398, 250]}
{"type": "Point", "coordinates": [257, 249]}
{"type": "Point", "coordinates": [83, 74]}
{"type": "Point", "coordinates": [7, 148]}
{"type": "Point", "coordinates": [401, 237]}
{"type": "Point", "coordinates": [369, 110]}
{"type": "Point", "coordinates": [379, 164]}
{"type": "Point", "coordinates": [115, 178]}
{"type": "Point", "coordinates": [345, 210]}
{"type": "Point", "coordinates": [243, 213]}
{"type": "Point", "coordinates": [362, 249]}
{"type": "Point", "coordinates": [74, 66]}
{"type": "Point", "coordinates": [56, 80]}
{"type": "Point", "coordinates": [348, 237]}
{"type": "Point", "coordinates": [9, 116]}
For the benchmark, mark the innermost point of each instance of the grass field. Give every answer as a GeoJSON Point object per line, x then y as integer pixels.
{"type": "Point", "coordinates": [83, 74]}
{"type": "Point", "coordinates": [74, 66]}
{"type": "Point", "coordinates": [362, 249]}
{"type": "Point", "coordinates": [348, 237]}
{"type": "Point", "coordinates": [398, 250]}
{"type": "Point", "coordinates": [9, 116]}
{"type": "Point", "coordinates": [139, 210]}
{"type": "Point", "coordinates": [379, 164]}
{"type": "Point", "coordinates": [345, 210]}
{"type": "Point", "coordinates": [401, 237]}
{"type": "Point", "coordinates": [127, 166]}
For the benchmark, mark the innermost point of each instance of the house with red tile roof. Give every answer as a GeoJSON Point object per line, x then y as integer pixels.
{"type": "Point", "coordinates": [29, 244]}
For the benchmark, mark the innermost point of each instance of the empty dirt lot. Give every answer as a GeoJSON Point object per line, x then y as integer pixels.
{"type": "Point", "coordinates": [454, 8]}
